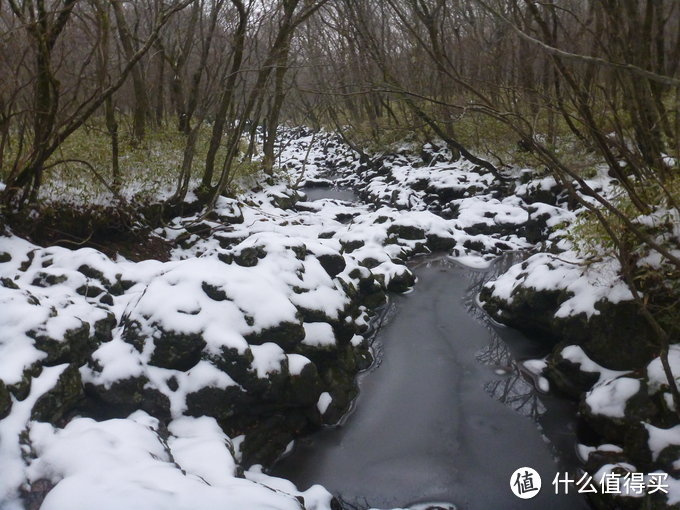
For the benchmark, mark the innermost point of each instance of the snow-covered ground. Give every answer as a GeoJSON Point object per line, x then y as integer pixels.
{"type": "Point", "coordinates": [141, 384]}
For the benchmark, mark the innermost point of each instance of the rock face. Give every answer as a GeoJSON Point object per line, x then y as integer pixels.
{"type": "Point", "coordinates": [617, 336]}
{"type": "Point", "coordinates": [604, 356]}
{"type": "Point", "coordinates": [559, 302]}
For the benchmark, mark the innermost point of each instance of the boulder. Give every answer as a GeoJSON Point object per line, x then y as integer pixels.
{"type": "Point", "coordinates": [62, 398]}
{"type": "Point", "coordinates": [333, 263]}
{"type": "Point", "coordinates": [5, 400]}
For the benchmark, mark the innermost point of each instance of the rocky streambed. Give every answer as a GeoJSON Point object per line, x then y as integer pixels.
{"type": "Point", "coordinates": [168, 384]}
{"type": "Point", "coordinates": [446, 415]}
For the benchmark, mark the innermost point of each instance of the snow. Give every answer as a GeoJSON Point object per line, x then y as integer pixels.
{"type": "Point", "coordinates": [268, 358]}
{"type": "Point", "coordinates": [11, 428]}
{"type": "Point", "coordinates": [124, 463]}
{"type": "Point", "coordinates": [661, 438]}
{"type": "Point", "coordinates": [325, 400]}
{"type": "Point", "coordinates": [585, 285]}
{"type": "Point", "coordinates": [296, 363]}
{"type": "Point", "coordinates": [609, 398]}
{"type": "Point", "coordinates": [655, 373]}
{"type": "Point", "coordinates": [224, 289]}
{"type": "Point", "coordinates": [318, 334]}
{"type": "Point", "coordinates": [576, 355]}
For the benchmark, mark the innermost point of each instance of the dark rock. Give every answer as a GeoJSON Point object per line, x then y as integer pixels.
{"type": "Point", "coordinates": [106, 299]}
{"type": "Point", "coordinates": [286, 200]}
{"type": "Point", "coordinates": [219, 403]}
{"type": "Point", "coordinates": [568, 377]}
{"type": "Point", "coordinates": [90, 291]}
{"type": "Point", "coordinates": [333, 263]}
{"type": "Point", "coordinates": [473, 245]}
{"type": "Point", "coordinates": [124, 397]}
{"type": "Point", "coordinates": [408, 232]}
{"type": "Point", "coordinates": [27, 263]}
{"type": "Point", "coordinates": [285, 334]}
{"type": "Point", "coordinates": [274, 432]}
{"type": "Point", "coordinates": [201, 229]}
{"type": "Point", "coordinates": [5, 401]}
{"type": "Point", "coordinates": [96, 274]}
{"type": "Point", "coordinates": [75, 347]}
{"type": "Point", "coordinates": [172, 383]}
{"type": "Point", "coordinates": [305, 387]}
{"type": "Point", "coordinates": [57, 402]}
{"type": "Point", "coordinates": [8, 284]}
{"type": "Point", "coordinates": [34, 493]}
{"type": "Point", "coordinates": [103, 329]}
{"type": "Point", "coordinates": [231, 215]}
{"type": "Point", "coordinates": [350, 246]}
{"type": "Point", "coordinates": [638, 408]}
{"type": "Point", "coordinates": [4, 257]}
{"type": "Point", "coordinates": [213, 292]}
{"type": "Point", "coordinates": [43, 279]}
{"type": "Point", "coordinates": [226, 258]}
{"type": "Point", "coordinates": [227, 240]}
{"type": "Point", "coordinates": [401, 282]}
{"type": "Point", "coordinates": [177, 351]}
{"type": "Point", "coordinates": [438, 243]}
{"type": "Point", "coordinates": [249, 256]}
{"type": "Point", "coordinates": [236, 364]}
{"type": "Point", "coordinates": [617, 338]}
{"type": "Point", "coordinates": [21, 389]}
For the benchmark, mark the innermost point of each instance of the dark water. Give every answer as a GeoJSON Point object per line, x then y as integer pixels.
{"type": "Point", "coordinates": [337, 193]}
{"type": "Point", "coordinates": [434, 420]}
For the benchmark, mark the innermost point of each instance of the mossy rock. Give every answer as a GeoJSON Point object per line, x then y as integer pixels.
{"type": "Point", "coordinates": [350, 246]}
{"type": "Point", "coordinates": [177, 351]}
{"type": "Point", "coordinates": [75, 347]}
{"type": "Point", "coordinates": [402, 281]}
{"type": "Point", "coordinates": [285, 334]}
{"type": "Point", "coordinates": [249, 256]}
{"type": "Point", "coordinates": [617, 337]}
{"type": "Point", "coordinates": [231, 215]}
{"type": "Point", "coordinates": [333, 263]}
{"type": "Point", "coordinates": [213, 292]}
{"type": "Point", "coordinates": [305, 387]}
{"type": "Point", "coordinates": [5, 401]}
{"type": "Point", "coordinates": [234, 363]}
{"type": "Point", "coordinates": [408, 232]}
{"type": "Point", "coordinates": [103, 329]}
{"type": "Point", "coordinates": [638, 408]}
{"type": "Point", "coordinates": [8, 284]}
{"type": "Point", "coordinates": [57, 402]}
{"type": "Point", "coordinates": [124, 397]}
{"type": "Point", "coordinates": [440, 243]}
{"type": "Point", "coordinates": [90, 291]}
{"type": "Point", "coordinates": [43, 279]}
{"type": "Point", "coordinates": [21, 389]}
{"type": "Point", "coordinates": [668, 460]}
{"type": "Point", "coordinates": [220, 403]}
{"type": "Point", "coordinates": [567, 376]}
{"type": "Point", "coordinates": [95, 274]}
{"type": "Point", "coordinates": [286, 200]}
{"type": "Point", "coordinates": [269, 438]}
{"type": "Point", "coordinates": [4, 257]}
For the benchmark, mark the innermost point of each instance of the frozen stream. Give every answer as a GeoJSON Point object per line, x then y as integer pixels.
{"type": "Point", "coordinates": [444, 415]}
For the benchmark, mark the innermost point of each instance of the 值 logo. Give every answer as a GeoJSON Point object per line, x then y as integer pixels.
{"type": "Point", "coordinates": [525, 483]}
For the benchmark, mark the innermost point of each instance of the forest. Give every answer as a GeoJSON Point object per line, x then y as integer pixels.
{"type": "Point", "coordinates": [170, 281]}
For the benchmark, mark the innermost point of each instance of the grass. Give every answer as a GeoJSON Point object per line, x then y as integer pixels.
{"type": "Point", "coordinates": [149, 170]}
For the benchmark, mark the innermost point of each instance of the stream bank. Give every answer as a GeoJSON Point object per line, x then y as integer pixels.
{"type": "Point", "coordinates": [250, 335]}
{"type": "Point", "coordinates": [424, 426]}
